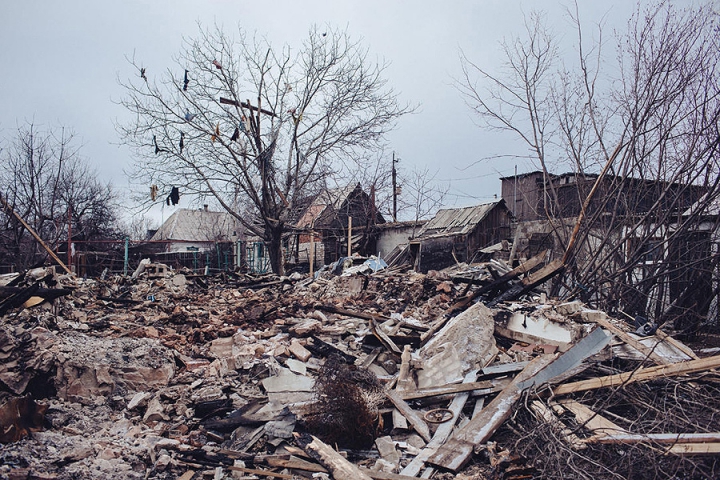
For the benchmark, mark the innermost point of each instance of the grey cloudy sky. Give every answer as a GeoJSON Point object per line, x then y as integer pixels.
{"type": "Point", "coordinates": [61, 61]}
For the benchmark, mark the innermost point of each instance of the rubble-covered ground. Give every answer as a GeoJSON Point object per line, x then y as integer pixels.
{"type": "Point", "coordinates": [173, 375]}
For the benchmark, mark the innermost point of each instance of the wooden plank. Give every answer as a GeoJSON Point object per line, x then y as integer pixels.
{"type": "Point", "coordinates": [593, 421]}
{"type": "Point", "coordinates": [264, 473]}
{"type": "Point", "coordinates": [623, 336]}
{"type": "Point", "coordinates": [695, 449]}
{"type": "Point", "coordinates": [504, 368]}
{"type": "Point", "coordinates": [443, 431]}
{"type": "Point", "coordinates": [187, 475]}
{"type": "Point", "coordinates": [679, 345]}
{"type": "Point", "coordinates": [531, 281]}
{"type": "Point", "coordinates": [490, 385]}
{"type": "Point", "coordinates": [35, 235]}
{"type": "Point", "coordinates": [382, 336]}
{"type": "Point", "coordinates": [639, 375]}
{"type": "Point", "coordinates": [463, 303]}
{"type": "Point", "coordinates": [292, 463]}
{"type": "Point", "coordinates": [384, 475]}
{"type": "Point", "coordinates": [661, 438]}
{"type": "Point", "coordinates": [544, 414]}
{"type": "Point", "coordinates": [412, 416]}
{"type": "Point", "coordinates": [454, 454]}
{"type": "Point", "coordinates": [339, 466]}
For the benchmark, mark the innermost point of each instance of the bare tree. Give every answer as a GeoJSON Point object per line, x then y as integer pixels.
{"type": "Point", "coordinates": [421, 194]}
{"type": "Point", "coordinates": [246, 123]}
{"type": "Point", "coordinates": [45, 181]}
{"type": "Point", "coordinates": [641, 138]}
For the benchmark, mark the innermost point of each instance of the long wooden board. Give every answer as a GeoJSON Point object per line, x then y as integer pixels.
{"type": "Point", "coordinates": [639, 375]}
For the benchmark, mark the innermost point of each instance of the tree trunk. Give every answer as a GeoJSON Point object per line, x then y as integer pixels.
{"type": "Point", "coordinates": [274, 246]}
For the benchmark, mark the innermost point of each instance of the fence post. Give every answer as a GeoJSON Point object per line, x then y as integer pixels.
{"type": "Point", "coordinates": [127, 256]}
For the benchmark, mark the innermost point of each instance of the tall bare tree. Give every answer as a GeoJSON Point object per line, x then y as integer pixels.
{"type": "Point", "coordinates": [247, 123]}
{"type": "Point", "coordinates": [44, 179]}
{"type": "Point", "coordinates": [641, 137]}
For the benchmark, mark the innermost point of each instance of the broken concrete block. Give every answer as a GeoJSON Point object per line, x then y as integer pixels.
{"type": "Point", "coordinates": [306, 327]}
{"type": "Point", "coordinates": [536, 328]}
{"type": "Point", "coordinates": [593, 316]}
{"type": "Point", "coordinates": [386, 447]}
{"type": "Point", "coordinates": [399, 421]}
{"type": "Point", "coordinates": [286, 381]}
{"type": "Point", "coordinates": [155, 411]}
{"type": "Point", "coordinates": [140, 399]}
{"type": "Point", "coordinates": [222, 347]}
{"type": "Point", "coordinates": [300, 352]}
{"type": "Point", "coordinates": [569, 308]}
{"type": "Point", "coordinates": [442, 368]}
{"type": "Point", "coordinates": [470, 334]}
{"type": "Point", "coordinates": [296, 366]}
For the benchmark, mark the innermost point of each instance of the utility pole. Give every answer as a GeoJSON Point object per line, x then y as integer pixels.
{"type": "Point", "coordinates": [394, 184]}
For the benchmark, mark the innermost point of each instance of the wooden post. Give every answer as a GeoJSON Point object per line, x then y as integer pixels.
{"type": "Point", "coordinates": [349, 237]}
{"type": "Point", "coordinates": [35, 235]}
{"type": "Point", "coordinates": [311, 253]}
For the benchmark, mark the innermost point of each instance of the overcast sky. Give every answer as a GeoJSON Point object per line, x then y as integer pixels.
{"type": "Point", "coordinates": [61, 61]}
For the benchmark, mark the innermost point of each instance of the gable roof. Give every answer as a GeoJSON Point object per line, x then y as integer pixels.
{"type": "Point", "coordinates": [330, 200]}
{"type": "Point", "coordinates": [196, 226]}
{"type": "Point", "coordinates": [458, 221]}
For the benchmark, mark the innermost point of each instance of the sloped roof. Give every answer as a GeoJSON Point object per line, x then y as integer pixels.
{"type": "Point", "coordinates": [332, 198]}
{"type": "Point", "coordinates": [196, 226]}
{"type": "Point", "coordinates": [457, 221]}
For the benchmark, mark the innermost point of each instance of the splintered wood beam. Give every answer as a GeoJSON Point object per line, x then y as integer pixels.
{"type": "Point", "coordinates": [695, 449]}
{"type": "Point", "coordinates": [661, 438]}
{"type": "Point", "coordinates": [490, 385]}
{"type": "Point", "coordinates": [338, 465]}
{"type": "Point", "coordinates": [457, 451]}
{"type": "Point", "coordinates": [639, 375]}
{"type": "Point", "coordinates": [596, 423]}
{"type": "Point", "coordinates": [546, 415]}
{"type": "Point", "coordinates": [263, 473]}
{"type": "Point", "coordinates": [679, 345]}
{"type": "Point", "coordinates": [531, 281]}
{"type": "Point", "coordinates": [455, 454]}
{"type": "Point", "coordinates": [443, 431]}
{"type": "Point", "coordinates": [412, 416]}
{"type": "Point", "coordinates": [34, 234]}
{"type": "Point", "coordinates": [632, 342]}
{"type": "Point", "coordinates": [463, 303]}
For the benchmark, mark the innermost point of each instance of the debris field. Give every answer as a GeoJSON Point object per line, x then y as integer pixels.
{"type": "Point", "coordinates": [468, 373]}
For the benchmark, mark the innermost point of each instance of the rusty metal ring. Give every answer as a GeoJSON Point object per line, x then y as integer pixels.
{"type": "Point", "coordinates": [438, 415]}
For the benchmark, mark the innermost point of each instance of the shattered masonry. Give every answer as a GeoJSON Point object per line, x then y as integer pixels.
{"type": "Point", "coordinates": [369, 374]}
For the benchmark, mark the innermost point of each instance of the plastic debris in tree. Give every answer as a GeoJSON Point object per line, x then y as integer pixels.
{"type": "Point", "coordinates": [153, 192]}
{"type": "Point", "coordinates": [189, 116]}
{"type": "Point", "coordinates": [142, 73]}
{"type": "Point", "coordinates": [186, 81]}
{"type": "Point", "coordinates": [216, 134]}
{"type": "Point", "coordinates": [217, 64]}
{"type": "Point", "coordinates": [157, 148]}
{"type": "Point", "coordinates": [174, 196]}
{"type": "Point", "coordinates": [182, 141]}
{"type": "Point", "coordinates": [235, 135]}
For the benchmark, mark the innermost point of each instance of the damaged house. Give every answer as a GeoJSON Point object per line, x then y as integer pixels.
{"type": "Point", "coordinates": [457, 234]}
{"type": "Point", "coordinates": [324, 222]}
{"type": "Point", "coordinates": [198, 239]}
{"type": "Point", "coordinates": [641, 251]}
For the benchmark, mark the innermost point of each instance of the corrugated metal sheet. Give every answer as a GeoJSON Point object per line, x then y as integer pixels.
{"type": "Point", "coordinates": [457, 221]}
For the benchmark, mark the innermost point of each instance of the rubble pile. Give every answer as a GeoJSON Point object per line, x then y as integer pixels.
{"type": "Point", "coordinates": [390, 374]}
